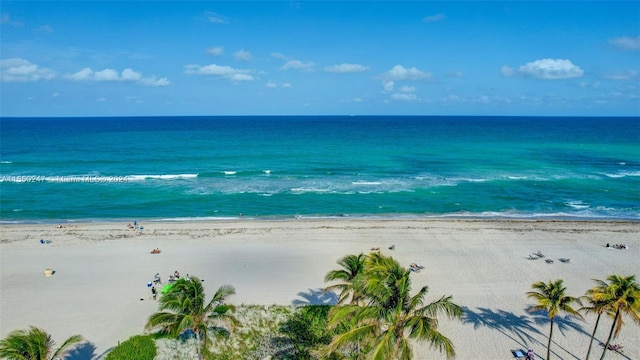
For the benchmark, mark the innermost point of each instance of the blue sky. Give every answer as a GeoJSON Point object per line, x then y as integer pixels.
{"type": "Point", "coordinates": [133, 58]}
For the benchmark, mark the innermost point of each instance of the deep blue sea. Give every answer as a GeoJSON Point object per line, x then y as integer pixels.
{"type": "Point", "coordinates": [186, 168]}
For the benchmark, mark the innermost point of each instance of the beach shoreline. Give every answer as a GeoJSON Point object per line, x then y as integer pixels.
{"type": "Point", "coordinates": [340, 217]}
{"type": "Point", "coordinates": [102, 268]}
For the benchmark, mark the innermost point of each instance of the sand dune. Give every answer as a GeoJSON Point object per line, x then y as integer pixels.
{"type": "Point", "coordinates": [99, 288]}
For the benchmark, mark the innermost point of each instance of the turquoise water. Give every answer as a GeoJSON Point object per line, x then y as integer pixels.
{"type": "Point", "coordinates": [56, 169]}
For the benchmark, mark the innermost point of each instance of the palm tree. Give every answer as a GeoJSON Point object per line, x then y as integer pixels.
{"type": "Point", "coordinates": [35, 344]}
{"type": "Point", "coordinates": [391, 315]}
{"type": "Point", "coordinates": [594, 306]}
{"type": "Point", "coordinates": [352, 267]}
{"type": "Point", "coordinates": [622, 294]}
{"type": "Point", "coordinates": [188, 311]}
{"type": "Point", "coordinates": [551, 298]}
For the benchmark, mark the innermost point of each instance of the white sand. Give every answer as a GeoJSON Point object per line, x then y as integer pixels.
{"type": "Point", "coordinates": [102, 270]}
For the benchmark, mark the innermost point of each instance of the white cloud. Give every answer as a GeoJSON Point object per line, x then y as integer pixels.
{"type": "Point", "coordinates": [222, 72]}
{"type": "Point", "coordinates": [134, 99]}
{"type": "Point", "coordinates": [407, 89]}
{"type": "Point", "coordinates": [551, 69]}
{"type": "Point", "coordinates": [215, 51]}
{"type": "Point", "coordinates": [388, 85]}
{"type": "Point", "coordinates": [507, 71]}
{"type": "Point", "coordinates": [278, 56]}
{"type": "Point", "coordinates": [130, 75]}
{"type": "Point", "coordinates": [433, 18]}
{"type": "Point", "coordinates": [275, 85]}
{"type": "Point", "coordinates": [127, 75]}
{"type": "Point", "coordinates": [626, 42]}
{"type": "Point", "coordinates": [399, 73]}
{"type": "Point", "coordinates": [20, 70]}
{"type": "Point", "coordinates": [346, 68]}
{"type": "Point", "coordinates": [404, 96]}
{"type": "Point", "coordinates": [458, 74]}
{"type": "Point", "coordinates": [6, 20]}
{"type": "Point", "coordinates": [215, 18]}
{"type": "Point", "coordinates": [242, 55]}
{"type": "Point", "coordinates": [82, 75]}
{"type": "Point", "coordinates": [153, 81]}
{"type": "Point", "coordinates": [298, 65]}
{"type": "Point", "coordinates": [293, 64]}
{"type": "Point", "coordinates": [628, 75]}
{"type": "Point", "coordinates": [106, 75]}
{"type": "Point", "coordinates": [45, 28]}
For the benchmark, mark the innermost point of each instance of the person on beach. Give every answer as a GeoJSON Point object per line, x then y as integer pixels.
{"type": "Point", "coordinates": [154, 292]}
{"type": "Point", "coordinates": [531, 355]}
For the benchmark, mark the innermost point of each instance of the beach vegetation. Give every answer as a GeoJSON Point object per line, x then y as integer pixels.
{"type": "Point", "coordinates": [35, 344]}
{"type": "Point", "coordinates": [348, 276]}
{"type": "Point", "coordinates": [185, 312]}
{"type": "Point", "coordinates": [621, 294]}
{"type": "Point", "coordinates": [307, 330]}
{"type": "Point", "coordinates": [389, 317]}
{"type": "Point", "coordinates": [138, 347]}
{"type": "Point", "coordinates": [551, 298]}
{"type": "Point", "coordinates": [257, 334]}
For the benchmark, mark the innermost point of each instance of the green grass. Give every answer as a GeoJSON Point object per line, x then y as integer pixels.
{"type": "Point", "coordinates": [139, 347]}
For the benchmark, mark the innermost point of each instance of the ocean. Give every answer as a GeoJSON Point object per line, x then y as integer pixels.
{"type": "Point", "coordinates": [274, 167]}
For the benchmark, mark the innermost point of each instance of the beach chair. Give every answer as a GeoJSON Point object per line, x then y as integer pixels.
{"type": "Point", "coordinates": [519, 354]}
{"type": "Point", "coordinates": [564, 260]}
{"type": "Point", "coordinates": [539, 254]}
{"type": "Point", "coordinates": [549, 261]}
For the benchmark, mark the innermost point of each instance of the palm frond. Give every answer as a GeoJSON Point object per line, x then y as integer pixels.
{"type": "Point", "coordinates": [67, 346]}
{"type": "Point", "coordinates": [350, 336]}
{"type": "Point", "coordinates": [444, 306]}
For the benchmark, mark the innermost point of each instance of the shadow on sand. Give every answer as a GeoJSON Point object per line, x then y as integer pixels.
{"type": "Point", "coordinates": [517, 328]}
{"type": "Point", "coordinates": [84, 351]}
{"type": "Point", "coordinates": [561, 323]}
{"type": "Point", "coordinates": [316, 297]}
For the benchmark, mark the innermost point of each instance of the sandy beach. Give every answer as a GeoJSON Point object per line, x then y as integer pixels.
{"type": "Point", "coordinates": [99, 288]}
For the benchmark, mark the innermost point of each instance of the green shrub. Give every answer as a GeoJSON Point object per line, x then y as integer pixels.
{"type": "Point", "coordinates": [137, 347]}
{"type": "Point", "coordinates": [307, 329]}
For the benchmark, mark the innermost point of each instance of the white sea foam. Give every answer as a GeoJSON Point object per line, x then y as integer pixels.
{"type": "Point", "coordinates": [229, 172]}
{"type": "Point", "coordinates": [6, 162]}
{"type": "Point", "coordinates": [366, 183]}
{"type": "Point", "coordinates": [301, 190]}
{"type": "Point", "coordinates": [577, 204]}
{"type": "Point", "coordinates": [621, 174]}
{"type": "Point", "coordinates": [161, 177]}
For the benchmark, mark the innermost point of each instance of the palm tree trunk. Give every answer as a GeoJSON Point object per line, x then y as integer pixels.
{"type": "Point", "coordinates": [593, 335]}
{"type": "Point", "coordinates": [198, 345]}
{"type": "Point", "coordinates": [549, 343]}
{"type": "Point", "coordinates": [613, 326]}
